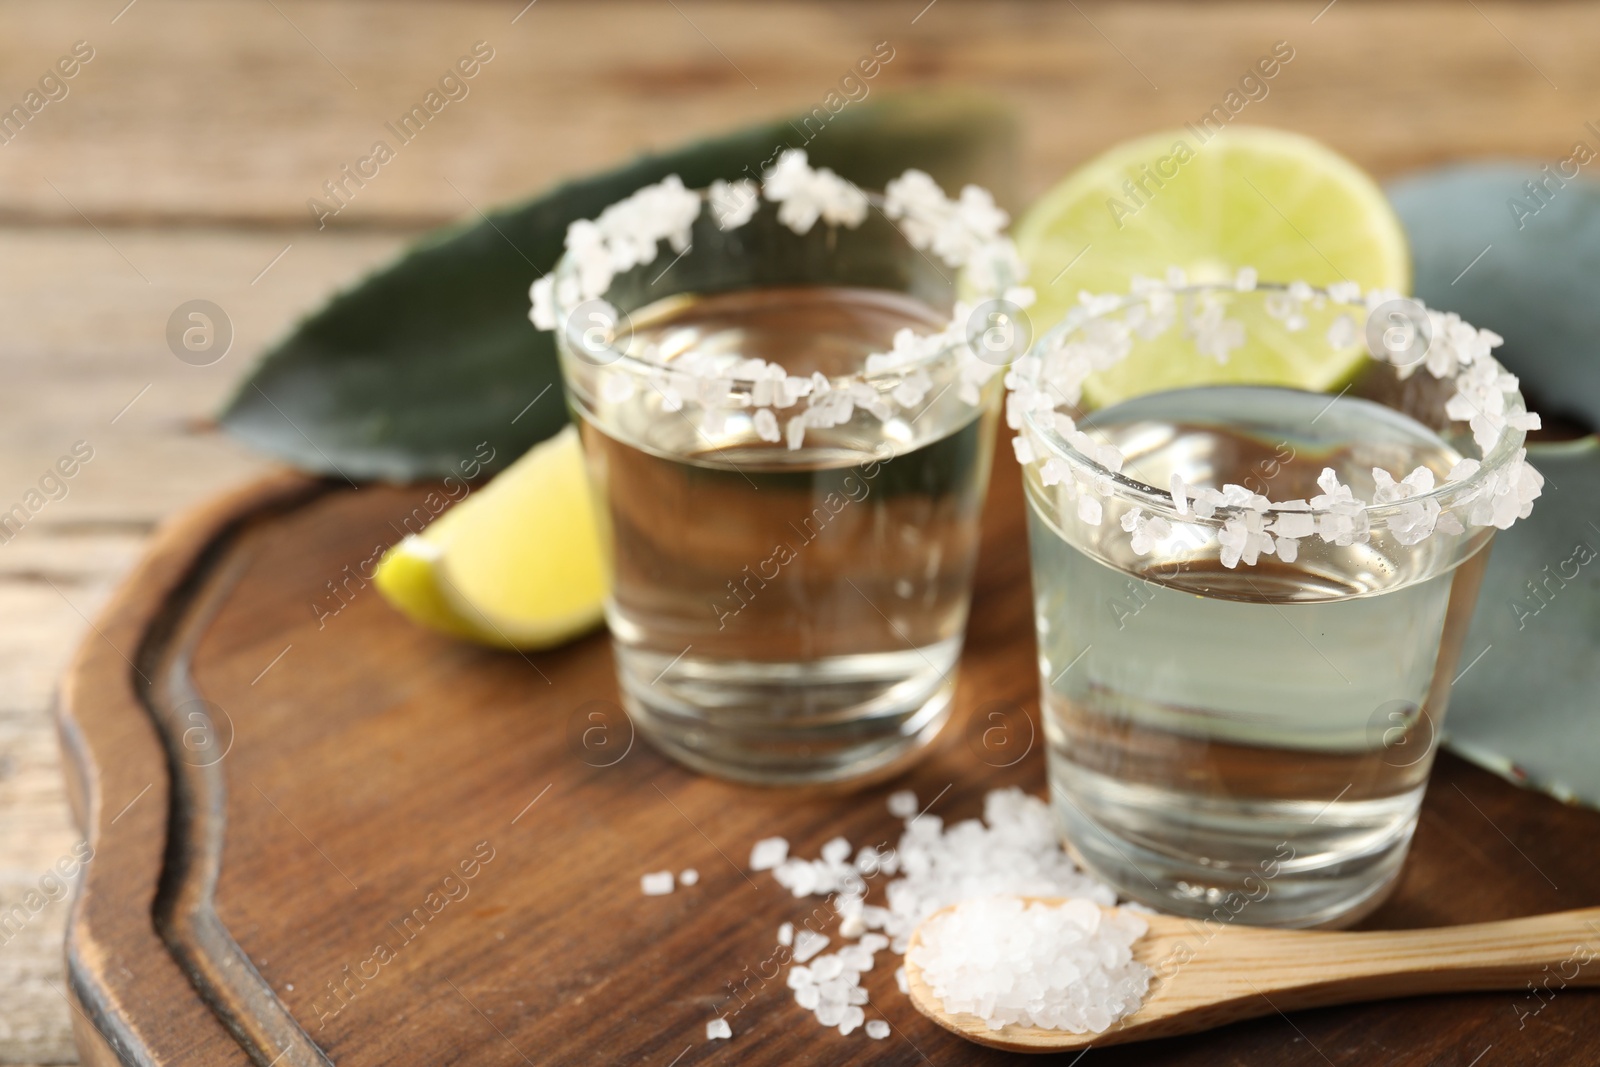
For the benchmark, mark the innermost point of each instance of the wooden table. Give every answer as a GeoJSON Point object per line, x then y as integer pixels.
{"type": "Point", "coordinates": [179, 164]}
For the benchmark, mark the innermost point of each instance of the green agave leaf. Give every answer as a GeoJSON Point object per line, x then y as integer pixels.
{"type": "Point", "coordinates": [403, 376]}
{"type": "Point", "coordinates": [1526, 710]}
{"type": "Point", "coordinates": [1483, 246]}
{"type": "Point", "coordinates": [1528, 268]}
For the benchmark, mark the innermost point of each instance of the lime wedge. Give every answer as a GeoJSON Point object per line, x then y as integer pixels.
{"type": "Point", "coordinates": [1282, 203]}
{"type": "Point", "coordinates": [517, 563]}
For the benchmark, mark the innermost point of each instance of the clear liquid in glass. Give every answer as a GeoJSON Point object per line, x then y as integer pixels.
{"type": "Point", "coordinates": [1248, 744]}
{"type": "Point", "coordinates": [787, 615]}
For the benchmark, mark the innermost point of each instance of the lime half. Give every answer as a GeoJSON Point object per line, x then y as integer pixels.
{"type": "Point", "coordinates": [1285, 204]}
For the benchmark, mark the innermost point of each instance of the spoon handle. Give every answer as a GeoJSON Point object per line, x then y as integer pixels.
{"type": "Point", "coordinates": [1307, 969]}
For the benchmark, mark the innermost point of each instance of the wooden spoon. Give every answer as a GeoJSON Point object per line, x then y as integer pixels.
{"type": "Point", "coordinates": [1208, 974]}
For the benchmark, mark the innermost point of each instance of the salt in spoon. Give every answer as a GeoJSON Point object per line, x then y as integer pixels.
{"type": "Point", "coordinates": [1211, 975]}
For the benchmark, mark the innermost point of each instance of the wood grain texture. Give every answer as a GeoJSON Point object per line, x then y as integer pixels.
{"type": "Point", "coordinates": [84, 336]}
{"type": "Point", "coordinates": [370, 760]}
{"type": "Point", "coordinates": [243, 118]}
{"type": "Point", "coordinates": [84, 357]}
{"type": "Point", "coordinates": [1206, 975]}
{"type": "Point", "coordinates": [122, 794]}
{"type": "Point", "coordinates": [38, 628]}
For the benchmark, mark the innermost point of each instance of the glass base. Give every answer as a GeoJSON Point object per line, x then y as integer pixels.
{"type": "Point", "coordinates": [829, 720]}
{"type": "Point", "coordinates": [1259, 863]}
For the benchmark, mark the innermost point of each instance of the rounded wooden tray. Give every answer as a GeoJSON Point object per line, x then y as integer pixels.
{"type": "Point", "coordinates": [322, 834]}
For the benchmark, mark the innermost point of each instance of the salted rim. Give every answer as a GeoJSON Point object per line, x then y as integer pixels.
{"type": "Point", "coordinates": [637, 364]}
{"type": "Point", "coordinates": [965, 233]}
{"type": "Point", "coordinates": [1504, 460]}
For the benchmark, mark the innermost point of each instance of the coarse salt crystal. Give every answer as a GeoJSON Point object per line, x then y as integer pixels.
{"type": "Point", "coordinates": [1067, 967]}
{"type": "Point", "coordinates": [656, 884]}
{"type": "Point", "coordinates": [807, 943]}
{"type": "Point", "coordinates": [768, 853]}
{"type": "Point", "coordinates": [903, 804]}
{"type": "Point", "coordinates": [766, 424]}
{"type": "Point", "coordinates": [718, 1028]}
{"type": "Point", "coordinates": [797, 876]}
{"type": "Point", "coordinates": [786, 934]}
{"type": "Point", "coordinates": [689, 877]}
{"type": "Point", "coordinates": [877, 1029]}
{"type": "Point", "coordinates": [827, 968]}
{"type": "Point", "coordinates": [856, 957]}
{"type": "Point", "coordinates": [836, 851]}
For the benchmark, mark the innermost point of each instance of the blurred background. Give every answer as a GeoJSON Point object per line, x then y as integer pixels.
{"type": "Point", "coordinates": [177, 159]}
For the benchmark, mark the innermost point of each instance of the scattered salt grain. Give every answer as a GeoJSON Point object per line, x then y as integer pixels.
{"type": "Point", "coordinates": [689, 877]}
{"type": "Point", "coordinates": [903, 804]}
{"type": "Point", "coordinates": [808, 943]}
{"type": "Point", "coordinates": [718, 1028]}
{"type": "Point", "coordinates": [768, 853]}
{"type": "Point", "coordinates": [853, 1017]}
{"type": "Point", "coordinates": [1067, 967]}
{"type": "Point", "coordinates": [901, 980]}
{"type": "Point", "coordinates": [1013, 851]}
{"type": "Point", "coordinates": [877, 1029]}
{"type": "Point", "coordinates": [836, 851]}
{"type": "Point", "coordinates": [656, 884]}
{"type": "Point", "coordinates": [856, 957]}
{"type": "Point", "coordinates": [786, 934]}
{"type": "Point", "coordinates": [797, 876]}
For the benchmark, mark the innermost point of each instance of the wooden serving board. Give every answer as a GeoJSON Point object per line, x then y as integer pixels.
{"type": "Point", "coordinates": [436, 830]}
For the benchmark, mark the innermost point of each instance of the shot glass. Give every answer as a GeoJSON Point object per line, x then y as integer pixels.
{"type": "Point", "coordinates": [788, 433]}
{"type": "Point", "coordinates": [1250, 599]}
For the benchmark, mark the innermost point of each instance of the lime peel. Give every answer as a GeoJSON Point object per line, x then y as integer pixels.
{"type": "Point", "coordinates": [1245, 197]}
{"type": "Point", "coordinates": [517, 563]}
